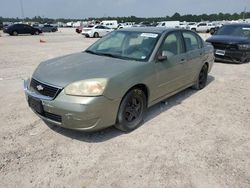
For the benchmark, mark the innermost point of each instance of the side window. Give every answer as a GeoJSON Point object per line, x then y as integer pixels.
{"type": "Point", "coordinates": [172, 45]}
{"type": "Point", "coordinates": [191, 41]}
{"type": "Point", "coordinates": [202, 24]}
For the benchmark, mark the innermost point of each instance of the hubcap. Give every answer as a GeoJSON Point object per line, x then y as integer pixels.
{"type": "Point", "coordinates": [133, 109]}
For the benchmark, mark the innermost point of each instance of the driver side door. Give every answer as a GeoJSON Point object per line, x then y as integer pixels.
{"type": "Point", "coordinates": [171, 73]}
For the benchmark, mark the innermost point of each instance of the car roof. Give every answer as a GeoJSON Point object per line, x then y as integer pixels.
{"type": "Point", "coordinates": [158, 30]}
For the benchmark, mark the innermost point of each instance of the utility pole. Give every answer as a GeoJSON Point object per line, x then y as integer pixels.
{"type": "Point", "coordinates": [244, 13]}
{"type": "Point", "coordinates": [21, 6]}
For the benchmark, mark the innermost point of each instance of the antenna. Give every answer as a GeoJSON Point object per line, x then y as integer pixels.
{"type": "Point", "coordinates": [22, 12]}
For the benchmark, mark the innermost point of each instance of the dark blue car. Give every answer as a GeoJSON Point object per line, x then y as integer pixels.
{"type": "Point", "coordinates": [17, 29]}
{"type": "Point", "coordinates": [232, 43]}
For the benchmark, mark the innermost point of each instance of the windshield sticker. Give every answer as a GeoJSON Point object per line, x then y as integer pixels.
{"type": "Point", "coordinates": [143, 57]}
{"type": "Point", "coordinates": [246, 28]}
{"type": "Point", "coordinates": [150, 35]}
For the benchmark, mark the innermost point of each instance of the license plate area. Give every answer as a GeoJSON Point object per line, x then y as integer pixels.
{"type": "Point", "coordinates": [220, 52]}
{"type": "Point", "coordinates": [35, 104]}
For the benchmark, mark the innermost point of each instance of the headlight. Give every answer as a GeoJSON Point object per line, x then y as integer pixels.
{"type": "Point", "coordinates": [92, 87]}
{"type": "Point", "coordinates": [244, 46]}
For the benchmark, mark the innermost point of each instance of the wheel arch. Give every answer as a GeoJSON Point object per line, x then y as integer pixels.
{"type": "Point", "coordinates": [141, 86]}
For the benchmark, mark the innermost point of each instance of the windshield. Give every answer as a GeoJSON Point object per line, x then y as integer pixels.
{"type": "Point", "coordinates": [234, 30]}
{"type": "Point", "coordinates": [126, 45]}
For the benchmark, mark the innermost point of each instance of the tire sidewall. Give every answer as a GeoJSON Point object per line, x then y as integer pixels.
{"type": "Point", "coordinates": [96, 35]}
{"type": "Point", "coordinates": [14, 33]}
{"type": "Point", "coordinates": [197, 84]}
{"type": "Point", "coordinates": [122, 124]}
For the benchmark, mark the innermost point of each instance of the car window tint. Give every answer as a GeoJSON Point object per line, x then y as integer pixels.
{"type": "Point", "coordinates": [191, 41]}
{"type": "Point", "coordinates": [172, 44]}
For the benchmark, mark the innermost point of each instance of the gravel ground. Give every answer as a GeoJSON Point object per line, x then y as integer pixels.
{"type": "Point", "coordinates": [194, 139]}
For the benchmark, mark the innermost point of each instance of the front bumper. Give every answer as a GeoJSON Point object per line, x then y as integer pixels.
{"type": "Point", "coordinates": [78, 113]}
{"type": "Point", "coordinates": [233, 56]}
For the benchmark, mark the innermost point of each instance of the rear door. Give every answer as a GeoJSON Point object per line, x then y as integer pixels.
{"type": "Point", "coordinates": [195, 54]}
{"type": "Point", "coordinates": [27, 29]}
{"type": "Point", "coordinates": [171, 73]}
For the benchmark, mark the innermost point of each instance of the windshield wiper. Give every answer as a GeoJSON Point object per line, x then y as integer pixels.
{"type": "Point", "coordinates": [91, 52]}
{"type": "Point", "coordinates": [109, 55]}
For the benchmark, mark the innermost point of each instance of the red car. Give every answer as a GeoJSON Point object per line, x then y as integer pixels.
{"type": "Point", "coordinates": [79, 29]}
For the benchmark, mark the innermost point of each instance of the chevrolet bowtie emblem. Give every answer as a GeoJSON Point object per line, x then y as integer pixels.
{"type": "Point", "coordinates": [39, 87]}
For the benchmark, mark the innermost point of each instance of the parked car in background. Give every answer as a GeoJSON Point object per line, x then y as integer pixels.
{"type": "Point", "coordinates": [17, 29]}
{"type": "Point", "coordinates": [117, 78]}
{"type": "Point", "coordinates": [232, 43]}
{"type": "Point", "coordinates": [79, 29]}
{"type": "Point", "coordinates": [48, 28]}
{"type": "Point", "coordinates": [125, 25]}
{"type": "Point", "coordinates": [112, 24]}
{"type": "Point", "coordinates": [169, 24]}
{"type": "Point", "coordinates": [96, 31]}
{"type": "Point", "coordinates": [1, 25]}
{"type": "Point", "coordinates": [203, 27]}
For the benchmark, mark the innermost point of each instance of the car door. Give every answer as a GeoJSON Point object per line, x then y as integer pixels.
{"type": "Point", "coordinates": [99, 30]}
{"type": "Point", "coordinates": [27, 29]}
{"type": "Point", "coordinates": [20, 28]}
{"type": "Point", "coordinates": [202, 27]}
{"type": "Point", "coordinates": [171, 73]}
{"type": "Point", "coordinates": [195, 53]}
{"type": "Point", "coordinates": [104, 30]}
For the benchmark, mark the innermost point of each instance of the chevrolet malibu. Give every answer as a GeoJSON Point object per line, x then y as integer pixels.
{"type": "Point", "coordinates": [117, 78]}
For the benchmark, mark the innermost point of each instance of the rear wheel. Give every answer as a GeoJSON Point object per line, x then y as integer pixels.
{"type": "Point", "coordinates": [37, 33]}
{"type": "Point", "coordinates": [202, 78]}
{"type": "Point", "coordinates": [96, 35]}
{"type": "Point", "coordinates": [193, 29]}
{"type": "Point", "coordinates": [14, 33]}
{"type": "Point", "coordinates": [131, 111]}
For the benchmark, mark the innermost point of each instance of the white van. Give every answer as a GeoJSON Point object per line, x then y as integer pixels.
{"type": "Point", "coordinates": [170, 24]}
{"type": "Point", "coordinates": [112, 24]}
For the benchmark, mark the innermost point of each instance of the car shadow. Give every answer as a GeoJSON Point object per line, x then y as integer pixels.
{"type": "Point", "coordinates": [111, 132]}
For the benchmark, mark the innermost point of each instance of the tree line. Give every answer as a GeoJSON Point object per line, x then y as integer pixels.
{"type": "Point", "coordinates": [174, 17]}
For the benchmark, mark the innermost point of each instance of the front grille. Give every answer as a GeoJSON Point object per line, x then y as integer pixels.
{"type": "Point", "coordinates": [44, 89]}
{"type": "Point", "coordinates": [53, 117]}
{"type": "Point", "coordinates": [223, 46]}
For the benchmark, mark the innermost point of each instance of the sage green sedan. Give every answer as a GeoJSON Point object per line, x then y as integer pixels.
{"type": "Point", "coordinates": [117, 78]}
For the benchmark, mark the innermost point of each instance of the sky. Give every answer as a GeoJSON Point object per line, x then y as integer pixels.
{"type": "Point", "coordinates": [98, 8]}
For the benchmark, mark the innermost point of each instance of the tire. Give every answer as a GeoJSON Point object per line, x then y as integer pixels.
{"type": "Point", "coordinates": [36, 33]}
{"type": "Point", "coordinates": [212, 31]}
{"type": "Point", "coordinates": [193, 29]}
{"type": "Point", "coordinates": [96, 35]}
{"type": "Point", "coordinates": [201, 81]}
{"type": "Point", "coordinates": [131, 111]}
{"type": "Point", "coordinates": [14, 33]}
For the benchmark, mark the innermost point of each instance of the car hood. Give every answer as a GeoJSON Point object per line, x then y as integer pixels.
{"type": "Point", "coordinates": [80, 66]}
{"type": "Point", "coordinates": [228, 39]}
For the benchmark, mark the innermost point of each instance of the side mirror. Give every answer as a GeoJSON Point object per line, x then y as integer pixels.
{"type": "Point", "coordinates": [162, 56]}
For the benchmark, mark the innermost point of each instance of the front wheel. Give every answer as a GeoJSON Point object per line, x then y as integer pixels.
{"type": "Point", "coordinates": [202, 78]}
{"type": "Point", "coordinates": [131, 111]}
{"type": "Point", "coordinates": [37, 33]}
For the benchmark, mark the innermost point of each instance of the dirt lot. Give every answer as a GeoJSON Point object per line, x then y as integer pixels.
{"type": "Point", "coordinates": [195, 139]}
